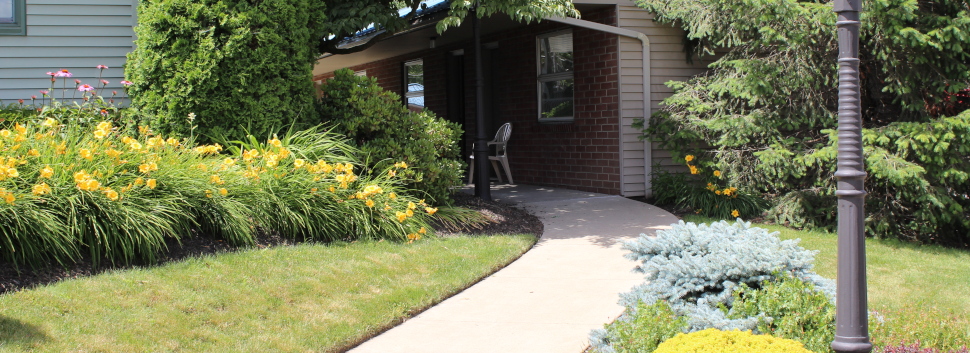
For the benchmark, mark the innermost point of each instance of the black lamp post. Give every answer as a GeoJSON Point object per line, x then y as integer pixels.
{"type": "Point", "coordinates": [851, 313]}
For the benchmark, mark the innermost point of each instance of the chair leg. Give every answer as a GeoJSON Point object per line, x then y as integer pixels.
{"type": "Point", "coordinates": [498, 173]}
{"type": "Point", "coordinates": [508, 172]}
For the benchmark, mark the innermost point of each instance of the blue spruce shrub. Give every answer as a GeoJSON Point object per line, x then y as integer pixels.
{"type": "Point", "coordinates": [696, 269]}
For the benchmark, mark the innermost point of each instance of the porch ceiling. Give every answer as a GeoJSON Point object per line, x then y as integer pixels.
{"type": "Point", "coordinates": [418, 39]}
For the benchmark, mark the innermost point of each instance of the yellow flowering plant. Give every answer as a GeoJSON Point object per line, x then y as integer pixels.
{"type": "Point", "coordinates": [116, 193]}
{"type": "Point", "coordinates": [705, 190]}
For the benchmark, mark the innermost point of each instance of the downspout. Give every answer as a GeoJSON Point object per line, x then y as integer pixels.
{"type": "Point", "coordinates": [647, 107]}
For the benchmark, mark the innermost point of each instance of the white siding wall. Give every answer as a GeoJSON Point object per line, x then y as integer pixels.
{"type": "Point", "coordinates": [67, 34]}
{"type": "Point", "coordinates": [667, 62]}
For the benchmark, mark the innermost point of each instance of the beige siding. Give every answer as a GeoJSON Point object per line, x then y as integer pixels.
{"type": "Point", "coordinates": [67, 34]}
{"type": "Point", "coordinates": [667, 63]}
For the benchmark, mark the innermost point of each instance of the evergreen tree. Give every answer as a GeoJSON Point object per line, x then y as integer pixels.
{"type": "Point", "coordinates": [766, 111]}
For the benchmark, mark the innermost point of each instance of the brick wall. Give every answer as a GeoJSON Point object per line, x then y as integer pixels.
{"type": "Point", "coordinates": [583, 154]}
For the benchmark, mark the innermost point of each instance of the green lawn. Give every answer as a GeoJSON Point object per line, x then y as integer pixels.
{"type": "Point", "coordinates": [922, 292]}
{"type": "Point", "coordinates": [298, 298]}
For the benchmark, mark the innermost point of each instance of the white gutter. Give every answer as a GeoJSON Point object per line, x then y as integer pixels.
{"type": "Point", "coordinates": [645, 42]}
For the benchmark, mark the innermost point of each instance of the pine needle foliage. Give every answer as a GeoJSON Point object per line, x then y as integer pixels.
{"type": "Point", "coordinates": [767, 108]}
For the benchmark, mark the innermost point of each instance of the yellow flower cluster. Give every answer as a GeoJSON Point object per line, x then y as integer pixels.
{"type": "Point", "coordinates": [729, 191]}
{"type": "Point", "coordinates": [417, 235]}
{"type": "Point", "coordinates": [102, 130]}
{"type": "Point", "coordinates": [208, 149]}
{"type": "Point", "coordinates": [8, 167]}
{"type": "Point", "coordinates": [41, 189]}
{"type": "Point", "coordinates": [7, 196]}
{"type": "Point", "coordinates": [149, 167]}
{"type": "Point", "coordinates": [86, 182]}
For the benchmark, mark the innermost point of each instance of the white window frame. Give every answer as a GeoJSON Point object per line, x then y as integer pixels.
{"type": "Point", "coordinates": [19, 25]}
{"type": "Point", "coordinates": [542, 78]}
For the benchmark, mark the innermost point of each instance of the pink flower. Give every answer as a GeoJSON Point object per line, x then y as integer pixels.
{"type": "Point", "coordinates": [63, 73]}
{"type": "Point", "coordinates": [85, 87]}
{"type": "Point", "coordinates": [33, 97]}
{"type": "Point", "coordinates": [50, 73]}
{"type": "Point", "coordinates": [114, 93]}
{"type": "Point", "coordinates": [76, 81]}
{"type": "Point", "coordinates": [104, 82]}
{"type": "Point", "coordinates": [44, 92]}
{"type": "Point", "coordinates": [126, 83]}
{"type": "Point", "coordinates": [102, 67]}
{"type": "Point", "coordinates": [21, 101]}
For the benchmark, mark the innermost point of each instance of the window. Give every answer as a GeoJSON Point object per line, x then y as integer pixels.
{"type": "Point", "coordinates": [414, 84]}
{"type": "Point", "coordinates": [12, 18]}
{"type": "Point", "coordinates": [555, 57]}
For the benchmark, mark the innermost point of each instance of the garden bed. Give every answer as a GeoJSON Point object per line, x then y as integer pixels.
{"type": "Point", "coordinates": [502, 219]}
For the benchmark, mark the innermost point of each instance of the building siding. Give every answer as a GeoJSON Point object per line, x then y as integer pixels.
{"type": "Point", "coordinates": [67, 34]}
{"type": "Point", "coordinates": [667, 62]}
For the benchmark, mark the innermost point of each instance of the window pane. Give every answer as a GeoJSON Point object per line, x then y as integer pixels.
{"type": "Point", "coordinates": [6, 11]}
{"type": "Point", "coordinates": [556, 54]}
{"type": "Point", "coordinates": [414, 93]}
{"type": "Point", "coordinates": [415, 77]}
{"type": "Point", "coordinates": [557, 99]}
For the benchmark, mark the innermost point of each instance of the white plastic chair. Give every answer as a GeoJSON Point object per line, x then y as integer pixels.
{"type": "Point", "coordinates": [500, 142]}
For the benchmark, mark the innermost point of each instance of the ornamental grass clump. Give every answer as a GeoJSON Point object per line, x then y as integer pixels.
{"type": "Point", "coordinates": [717, 341]}
{"type": "Point", "coordinates": [68, 189]}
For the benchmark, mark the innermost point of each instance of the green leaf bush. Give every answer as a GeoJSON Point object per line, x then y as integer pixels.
{"type": "Point", "coordinates": [378, 123]}
{"type": "Point", "coordinates": [788, 308]}
{"type": "Point", "coordinates": [243, 67]}
{"type": "Point", "coordinates": [767, 108]}
{"type": "Point", "coordinates": [640, 330]}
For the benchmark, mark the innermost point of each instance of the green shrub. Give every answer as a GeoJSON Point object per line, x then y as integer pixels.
{"type": "Point", "coordinates": [639, 330]}
{"type": "Point", "coordinates": [381, 126]}
{"type": "Point", "coordinates": [717, 341]}
{"type": "Point", "coordinates": [243, 67]}
{"type": "Point", "coordinates": [789, 308]}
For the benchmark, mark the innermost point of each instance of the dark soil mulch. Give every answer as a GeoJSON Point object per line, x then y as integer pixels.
{"type": "Point", "coordinates": [503, 219]}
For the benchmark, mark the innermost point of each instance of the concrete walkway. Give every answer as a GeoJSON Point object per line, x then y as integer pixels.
{"type": "Point", "coordinates": [548, 300]}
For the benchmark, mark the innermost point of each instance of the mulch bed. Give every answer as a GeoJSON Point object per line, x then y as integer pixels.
{"type": "Point", "coordinates": [502, 219]}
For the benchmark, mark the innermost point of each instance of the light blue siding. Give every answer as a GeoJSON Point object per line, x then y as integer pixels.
{"type": "Point", "coordinates": [67, 34]}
